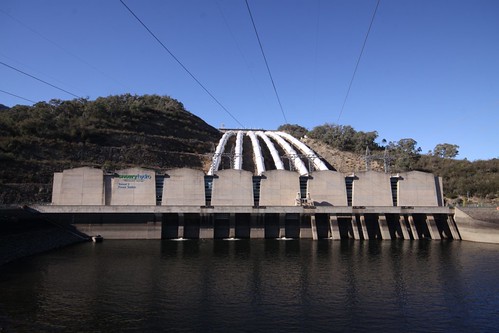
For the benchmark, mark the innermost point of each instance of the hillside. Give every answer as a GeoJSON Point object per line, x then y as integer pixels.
{"type": "Point", "coordinates": [342, 161]}
{"type": "Point", "coordinates": [465, 182]}
{"type": "Point", "coordinates": [150, 131]}
{"type": "Point", "coordinates": [157, 133]}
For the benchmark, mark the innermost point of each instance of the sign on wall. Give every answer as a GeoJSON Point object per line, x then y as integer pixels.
{"type": "Point", "coordinates": [131, 181]}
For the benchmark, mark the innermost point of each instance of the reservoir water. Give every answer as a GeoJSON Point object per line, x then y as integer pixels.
{"type": "Point", "coordinates": [254, 285]}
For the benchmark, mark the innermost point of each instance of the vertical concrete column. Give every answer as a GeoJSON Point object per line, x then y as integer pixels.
{"type": "Point", "coordinates": [403, 228]}
{"type": "Point", "coordinates": [432, 227]}
{"type": "Point", "coordinates": [453, 228]}
{"type": "Point", "coordinates": [355, 228]}
{"type": "Point", "coordinates": [313, 227]}
{"type": "Point", "coordinates": [282, 225]}
{"type": "Point", "coordinates": [334, 228]}
{"type": "Point", "coordinates": [232, 225]}
{"type": "Point", "coordinates": [181, 223]}
{"type": "Point", "coordinates": [363, 229]}
{"type": "Point", "coordinates": [383, 227]}
{"type": "Point", "coordinates": [412, 227]}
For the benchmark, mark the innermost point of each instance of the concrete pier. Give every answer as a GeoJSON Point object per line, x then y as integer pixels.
{"type": "Point", "coordinates": [162, 222]}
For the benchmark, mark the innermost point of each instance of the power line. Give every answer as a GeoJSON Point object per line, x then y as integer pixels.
{"type": "Point", "coordinates": [34, 77]}
{"type": "Point", "coordinates": [181, 64]}
{"type": "Point", "coordinates": [63, 49]}
{"type": "Point", "coordinates": [358, 60]}
{"type": "Point", "coordinates": [266, 63]}
{"type": "Point", "coordinates": [11, 94]}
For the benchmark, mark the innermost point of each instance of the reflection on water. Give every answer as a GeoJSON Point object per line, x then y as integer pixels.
{"type": "Point", "coordinates": [249, 285]}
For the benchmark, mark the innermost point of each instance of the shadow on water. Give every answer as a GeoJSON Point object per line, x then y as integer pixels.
{"type": "Point", "coordinates": [252, 285]}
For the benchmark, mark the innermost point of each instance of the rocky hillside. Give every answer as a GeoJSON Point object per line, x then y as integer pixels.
{"type": "Point", "coordinates": [150, 131]}
{"type": "Point", "coordinates": [342, 161]}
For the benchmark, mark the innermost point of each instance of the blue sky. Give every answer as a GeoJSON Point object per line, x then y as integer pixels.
{"type": "Point", "coordinates": [429, 71]}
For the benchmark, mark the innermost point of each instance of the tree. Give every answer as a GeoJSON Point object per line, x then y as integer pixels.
{"type": "Point", "coordinates": [345, 137]}
{"type": "Point", "coordinates": [446, 150]}
{"type": "Point", "coordinates": [406, 153]}
{"type": "Point", "coordinates": [295, 130]}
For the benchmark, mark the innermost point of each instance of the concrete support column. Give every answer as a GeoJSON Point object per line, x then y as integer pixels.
{"type": "Point", "coordinates": [334, 228]}
{"type": "Point", "coordinates": [432, 227]}
{"type": "Point", "coordinates": [355, 228]}
{"type": "Point", "coordinates": [412, 227]}
{"type": "Point", "coordinates": [181, 220]}
{"type": "Point", "coordinates": [383, 227]}
{"type": "Point", "coordinates": [363, 229]}
{"type": "Point", "coordinates": [403, 228]}
{"type": "Point", "coordinates": [452, 227]}
{"type": "Point", "coordinates": [282, 225]}
{"type": "Point", "coordinates": [313, 227]}
{"type": "Point", "coordinates": [232, 225]}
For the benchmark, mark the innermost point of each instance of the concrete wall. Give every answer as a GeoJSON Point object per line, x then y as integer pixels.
{"type": "Point", "coordinates": [372, 189]}
{"type": "Point", "coordinates": [56, 188]}
{"type": "Point", "coordinates": [417, 188]}
{"type": "Point", "coordinates": [34, 236]}
{"type": "Point", "coordinates": [149, 230]}
{"type": "Point", "coordinates": [183, 187]}
{"type": "Point", "coordinates": [80, 186]}
{"type": "Point", "coordinates": [327, 188]}
{"type": "Point", "coordinates": [232, 188]}
{"type": "Point", "coordinates": [279, 188]}
{"type": "Point", "coordinates": [133, 186]}
{"type": "Point", "coordinates": [475, 230]}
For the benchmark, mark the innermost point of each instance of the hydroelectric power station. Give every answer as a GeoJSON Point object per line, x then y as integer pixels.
{"type": "Point", "coordinates": [260, 184]}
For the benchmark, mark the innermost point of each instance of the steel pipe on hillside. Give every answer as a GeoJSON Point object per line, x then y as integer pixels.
{"type": "Point", "coordinates": [318, 164]}
{"type": "Point", "coordinates": [298, 163]}
{"type": "Point", "coordinates": [273, 151]}
{"type": "Point", "coordinates": [257, 153]}
{"type": "Point", "coordinates": [238, 158]}
{"type": "Point", "coordinates": [217, 157]}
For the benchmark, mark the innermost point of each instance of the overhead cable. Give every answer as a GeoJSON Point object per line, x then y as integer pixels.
{"type": "Point", "coordinates": [34, 77]}
{"type": "Point", "coordinates": [181, 64]}
{"type": "Point", "coordinates": [358, 60]}
{"type": "Point", "coordinates": [63, 49]}
{"type": "Point", "coordinates": [11, 94]}
{"type": "Point", "coordinates": [266, 63]}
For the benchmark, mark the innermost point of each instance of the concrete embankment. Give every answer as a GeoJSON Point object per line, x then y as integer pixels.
{"type": "Point", "coordinates": [23, 234]}
{"type": "Point", "coordinates": [478, 224]}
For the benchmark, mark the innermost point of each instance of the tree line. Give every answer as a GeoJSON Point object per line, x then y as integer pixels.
{"type": "Point", "coordinates": [461, 178]}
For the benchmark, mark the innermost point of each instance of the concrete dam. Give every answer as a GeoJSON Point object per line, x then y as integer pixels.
{"type": "Point", "coordinates": [260, 184]}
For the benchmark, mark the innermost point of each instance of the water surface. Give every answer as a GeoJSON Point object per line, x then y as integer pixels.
{"type": "Point", "coordinates": [254, 285]}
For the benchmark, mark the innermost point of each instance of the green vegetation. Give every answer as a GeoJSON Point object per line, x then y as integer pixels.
{"type": "Point", "coordinates": [295, 130]}
{"type": "Point", "coordinates": [462, 179]}
{"type": "Point", "coordinates": [157, 133]}
{"type": "Point", "coordinates": [150, 131]}
{"type": "Point", "coordinates": [345, 138]}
